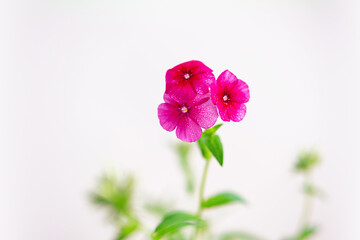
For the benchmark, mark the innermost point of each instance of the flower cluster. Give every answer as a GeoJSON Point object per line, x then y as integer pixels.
{"type": "Point", "coordinates": [193, 99]}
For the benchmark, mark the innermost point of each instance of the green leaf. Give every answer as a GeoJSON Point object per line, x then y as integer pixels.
{"type": "Point", "coordinates": [173, 222]}
{"type": "Point", "coordinates": [307, 232]}
{"type": "Point", "coordinates": [210, 144]}
{"type": "Point", "coordinates": [177, 236]}
{"type": "Point", "coordinates": [239, 236]}
{"type": "Point", "coordinates": [222, 199]}
{"type": "Point", "coordinates": [214, 144]}
{"type": "Point", "coordinates": [211, 131]}
{"type": "Point", "coordinates": [304, 233]}
{"type": "Point", "coordinates": [128, 229]}
{"type": "Point", "coordinates": [204, 150]}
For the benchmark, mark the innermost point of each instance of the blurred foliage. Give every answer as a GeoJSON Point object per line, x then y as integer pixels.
{"type": "Point", "coordinates": [307, 161]}
{"type": "Point", "coordinates": [222, 199]}
{"type": "Point", "coordinates": [304, 234]}
{"type": "Point", "coordinates": [183, 151]}
{"type": "Point", "coordinates": [173, 222]}
{"type": "Point", "coordinates": [311, 190]}
{"type": "Point", "coordinates": [238, 236]}
{"type": "Point", "coordinates": [157, 208]}
{"type": "Point", "coordinates": [117, 196]}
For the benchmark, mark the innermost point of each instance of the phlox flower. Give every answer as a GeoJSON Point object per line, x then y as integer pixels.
{"type": "Point", "coordinates": [229, 94]}
{"type": "Point", "coordinates": [188, 78]}
{"type": "Point", "coordinates": [187, 115]}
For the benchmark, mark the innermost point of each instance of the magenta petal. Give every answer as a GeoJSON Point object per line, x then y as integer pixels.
{"type": "Point", "coordinates": [169, 100]}
{"type": "Point", "coordinates": [241, 91]}
{"type": "Point", "coordinates": [188, 130]}
{"type": "Point", "coordinates": [214, 92]}
{"type": "Point", "coordinates": [197, 66]}
{"type": "Point", "coordinates": [205, 114]}
{"type": "Point", "coordinates": [201, 82]}
{"type": "Point", "coordinates": [244, 89]}
{"type": "Point", "coordinates": [199, 99]}
{"type": "Point", "coordinates": [223, 112]}
{"type": "Point", "coordinates": [236, 111]}
{"type": "Point", "coordinates": [227, 80]}
{"type": "Point", "coordinates": [181, 93]}
{"type": "Point", "coordinates": [188, 78]}
{"type": "Point", "coordinates": [169, 116]}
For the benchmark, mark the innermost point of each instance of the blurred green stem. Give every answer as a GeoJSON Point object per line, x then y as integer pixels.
{"type": "Point", "coordinates": [201, 193]}
{"type": "Point", "coordinates": [308, 204]}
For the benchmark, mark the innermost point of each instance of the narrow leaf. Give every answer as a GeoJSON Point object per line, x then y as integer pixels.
{"type": "Point", "coordinates": [128, 229]}
{"type": "Point", "coordinates": [204, 150]}
{"type": "Point", "coordinates": [174, 222]}
{"type": "Point", "coordinates": [222, 199]}
{"type": "Point", "coordinates": [214, 145]}
{"type": "Point", "coordinates": [211, 131]}
{"type": "Point", "coordinates": [306, 233]}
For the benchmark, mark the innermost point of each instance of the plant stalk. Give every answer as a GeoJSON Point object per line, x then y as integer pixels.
{"type": "Point", "coordinates": [308, 205]}
{"type": "Point", "coordinates": [201, 193]}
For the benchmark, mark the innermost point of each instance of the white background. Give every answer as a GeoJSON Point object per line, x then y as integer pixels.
{"type": "Point", "coordinates": [80, 82]}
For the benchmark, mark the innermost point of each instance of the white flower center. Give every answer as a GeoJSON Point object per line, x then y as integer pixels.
{"type": "Point", "coordinates": [184, 109]}
{"type": "Point", "coordinates": [186, 76]}
{"type": "Point", "coordinates": [226, 98]}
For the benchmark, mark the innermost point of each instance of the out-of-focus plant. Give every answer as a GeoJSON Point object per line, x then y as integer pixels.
{"type": "Point", "coordinates": [117, 197]}
{"type": "Point", "coordinates": [183, 150]}
{"type": "Point", "coordinates": [305, 165]}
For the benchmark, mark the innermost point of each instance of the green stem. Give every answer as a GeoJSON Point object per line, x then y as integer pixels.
{"type": "Point", "coordinates": [201, 193]}
{"type": "Point", "coordinates": [308, 205]}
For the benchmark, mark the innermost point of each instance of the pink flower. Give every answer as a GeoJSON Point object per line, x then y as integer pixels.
{"type": "Point", "coordinates": [187, 116]}
{"type": "Point", "coordinates": [190, 78]}
{"type": "Point", "coordinates": [229, 94]}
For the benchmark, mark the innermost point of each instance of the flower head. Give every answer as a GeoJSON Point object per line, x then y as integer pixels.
{"type": "Point", "coordinates": [229, 94]}
{"type": "Point", "coordinates": [188, 78]}
{"type": "Point", "coordinates": [188, 116]}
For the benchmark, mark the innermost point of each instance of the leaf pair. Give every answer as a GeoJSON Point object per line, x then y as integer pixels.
{"type": "Point", "coordinates": [210, 144]}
